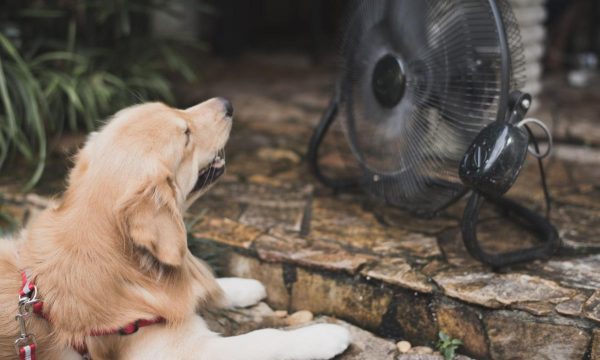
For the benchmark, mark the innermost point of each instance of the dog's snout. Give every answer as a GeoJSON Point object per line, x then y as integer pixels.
{"type": "Point", "coordinates": [228, 107]}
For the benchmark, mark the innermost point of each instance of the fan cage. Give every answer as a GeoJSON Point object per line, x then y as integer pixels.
{"type": "Point", "coordinates": [409, 155]}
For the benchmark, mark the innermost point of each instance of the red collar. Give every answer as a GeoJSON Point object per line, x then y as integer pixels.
{"type": "Point", "coordinates": [29, 302]}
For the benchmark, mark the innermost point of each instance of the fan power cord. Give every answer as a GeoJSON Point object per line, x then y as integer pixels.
{"type": "Point", "coordinates": [539, 156]}
{"type": "Point", "coordinates": [536, 151]}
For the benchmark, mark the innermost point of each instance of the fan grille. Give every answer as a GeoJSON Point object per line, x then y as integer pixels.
{"type": "Point", "coordinates": [449, 55]}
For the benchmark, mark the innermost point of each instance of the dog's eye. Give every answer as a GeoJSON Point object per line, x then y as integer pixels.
{"type": "Point", "coordinates": [187, 136]}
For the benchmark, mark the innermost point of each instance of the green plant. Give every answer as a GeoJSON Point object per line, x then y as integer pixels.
{"type": "Point", "coordinates": [447, 345]}
{"type": "Point", "coordinates": [66, 65]}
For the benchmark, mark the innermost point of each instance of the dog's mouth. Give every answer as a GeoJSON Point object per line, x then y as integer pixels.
{"type": "Point", "coordinates": [210, 173]}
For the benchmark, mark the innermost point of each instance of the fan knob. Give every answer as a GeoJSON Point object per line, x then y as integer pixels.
{"type": "Point", "coordinates": [494, 159]}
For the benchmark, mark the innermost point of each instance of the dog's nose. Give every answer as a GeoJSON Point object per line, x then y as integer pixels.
{"type": "Point", "coordinates": [228, 107]}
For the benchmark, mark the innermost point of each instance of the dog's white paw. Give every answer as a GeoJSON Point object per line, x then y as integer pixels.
{"type": "Point", "coordinates": [242, 292]}
{"type": "Point", "coordinates": [320, 342]}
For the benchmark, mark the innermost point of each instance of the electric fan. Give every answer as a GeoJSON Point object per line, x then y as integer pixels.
{"type": "Point", "coordinates": [430, 105]}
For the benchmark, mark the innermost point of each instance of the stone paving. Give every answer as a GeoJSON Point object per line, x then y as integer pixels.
{"type": "Point", "coordinates": [379, 268]}
{"type": "Point", "coordinates": [383, 269]}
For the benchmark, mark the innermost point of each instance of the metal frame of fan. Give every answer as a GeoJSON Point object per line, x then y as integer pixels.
{"type": "Point", "coordinates": [431, 110]}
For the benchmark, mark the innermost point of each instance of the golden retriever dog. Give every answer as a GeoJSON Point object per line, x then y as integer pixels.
{"type": "Point", "coordinates": [106, 269]}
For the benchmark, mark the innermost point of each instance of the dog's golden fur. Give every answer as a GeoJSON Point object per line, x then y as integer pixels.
{"type": "Point", "coordinates": [114, 249]}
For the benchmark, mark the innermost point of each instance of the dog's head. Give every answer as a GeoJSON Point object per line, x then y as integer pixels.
{"type": "Point", "coordinates": [147, 164]}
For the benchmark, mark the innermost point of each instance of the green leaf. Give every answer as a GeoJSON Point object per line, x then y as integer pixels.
{"type": "Point", "coordinates": [12, 51]}
{"type": "Point", "coordinates": [71, 35]}
{"type": "Point", "coordinates": [41, 137]}
{"type": "Point", "coordinates": [70, 90]}
{"type": "Point", "coordinates": [3, 144]}
{"type": "Point", "coordinates": [57, 56]}
{"type": "Point", "coordinates": [447, 346]}
{"type": "Point", "coordinates": [8, 105]}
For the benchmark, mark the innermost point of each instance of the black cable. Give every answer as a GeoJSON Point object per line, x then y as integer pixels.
{"type": "Point", "coordinates": [546, 232]}
{"type": "Point", "coordinates": [547, 197]}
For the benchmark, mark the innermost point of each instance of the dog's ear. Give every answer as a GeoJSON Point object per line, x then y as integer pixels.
{"type": "Point", "coordinates": [150, 217]}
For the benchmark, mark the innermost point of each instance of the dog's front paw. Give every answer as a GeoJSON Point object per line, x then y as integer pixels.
{"type": "Point", "coordinates": [242, 292]}
{"type": "Point", "coordinates": [320, 342]}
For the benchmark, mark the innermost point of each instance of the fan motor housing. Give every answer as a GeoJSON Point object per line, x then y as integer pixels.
{"type": "Point", "coordinates": [494, 160]}
{"type": "Point", "coordinates": [388, 81]}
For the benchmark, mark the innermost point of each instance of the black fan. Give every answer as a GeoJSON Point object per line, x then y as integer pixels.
{"type": "Point", "coordinates": [430, 107]}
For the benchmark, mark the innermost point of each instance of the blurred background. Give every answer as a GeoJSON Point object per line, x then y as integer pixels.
{"type": "Point", "coordinates": [65, 65]}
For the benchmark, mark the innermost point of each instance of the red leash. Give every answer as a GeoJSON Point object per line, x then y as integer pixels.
{"type": "Point", "coordinates": [29, 303]}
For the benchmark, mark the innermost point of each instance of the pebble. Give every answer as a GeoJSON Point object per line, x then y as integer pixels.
{"type": "Point", "coordinates": [270, 154]}
{"type": "Point", "coordinates": [280, 313]}
{"type": "Point", "coordinates": [403, 346]}
{"type": "Point", "coordinates": [300, 317]}
{"type": "Point", "coordinates": [264, 180]}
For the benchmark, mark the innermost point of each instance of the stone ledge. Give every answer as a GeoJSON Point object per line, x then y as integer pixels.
{"type": "Point", "coordinates": [406, 260]}
{"type": "Point", "coordinates": [397, 312]}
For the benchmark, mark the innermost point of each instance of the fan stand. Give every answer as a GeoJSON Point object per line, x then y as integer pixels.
{"type": "Point", "coordinates": [540, 225]}
{"type": "Point", "coordinates": [315, 143]}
